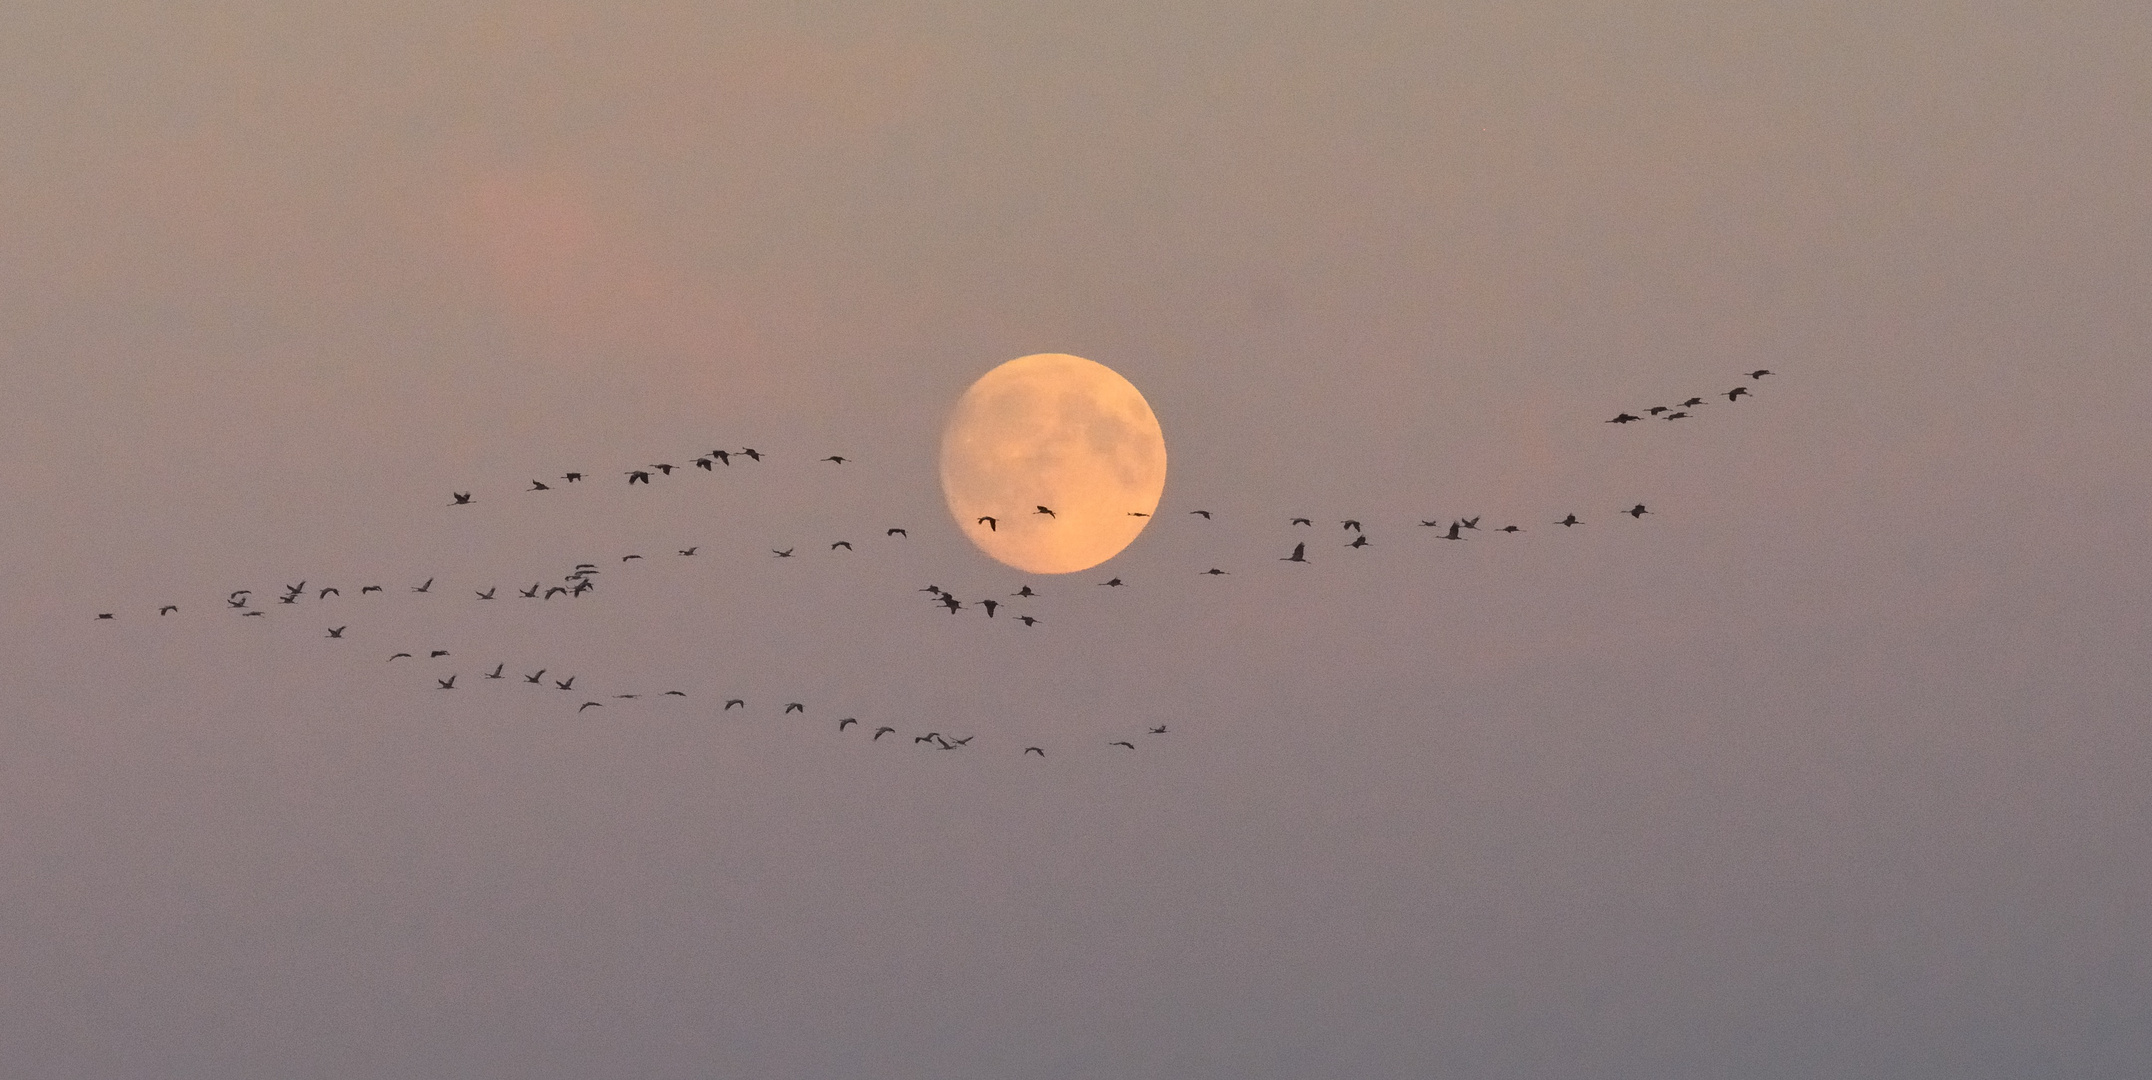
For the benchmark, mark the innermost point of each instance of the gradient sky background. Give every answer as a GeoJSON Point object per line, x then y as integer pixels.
{"type": "Point", "coordinates": [1836, 765]}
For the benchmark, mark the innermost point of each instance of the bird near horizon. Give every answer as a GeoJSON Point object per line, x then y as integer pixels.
{"type": "Point", "coordinates": [1300, 554]}
{"type": "Point", "coordinates": [463, 498]}
{"type": "Point", "coordinates": [338, 631]}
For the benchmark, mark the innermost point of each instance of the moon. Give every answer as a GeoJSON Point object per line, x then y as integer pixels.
{"type": "Point", "coordinates": [1061, 432]}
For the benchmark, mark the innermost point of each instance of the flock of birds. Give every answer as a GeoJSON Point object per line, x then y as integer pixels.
{"type": "Point", "coordinates": [582, 580]}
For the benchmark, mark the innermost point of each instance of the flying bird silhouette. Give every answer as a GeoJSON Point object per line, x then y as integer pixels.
{"type": "Point", "coordinates": [1570, 520]}
{"type": "Point", "coordinates": [568, 685]}
{"type": "Point", "coordinates": [401, 656]}
{"type": "Point", "coordinates": [104, 615]}
{"type": "Point", "coordinates": [1349, 523]}
{"type": "Point", "coordinates": [690, 550]}
{"type": "Point", "coordinates": [1682, 415]}
{"type": "Point", "coordinates": [1625, 418]}
{"type": "Point", "coordinates": [1358, 543]}
{"type": "Point", "coordinates": [571, 477]}
{"type": "Point", "coordinates": [625, 558]}
{"type": "Point", "coordinates": [167, 609]}
{"type": "Point", "coordinates": [1025, 592]}
{"type": "Point", "coordinates": [881, 731]}
{"type": "Point", "coordinates": [752, 455]}
{"type": "Point", "coordinates": [327, 591]}
{"type": "Point", "coordinates": [1113, 583]}
{"type": "Point", "coordinates": [1159, 730]}
{"type": "Point", "coordinates": [666, 468]}
{"type": "Point", "coordinates": [898, 532]}
{"type": "Point", "coordinates": [437, 654]}
{"type": "Point", "coordinates": [1214, 572]}
{"type": "Point", "coordinates": [1454, 533]}
{"type": "Point", "coordinates": [1205, 513]}
{"type": "Point", "coordinates": [447, 683]}
{"type": "Point", "coordinates": [496, 672]}
{"type": "Point", "coordinates": [1636, 511]}
{"type": "Point", "coordinates": [1047, 511]}
{"type": "Point", "coordinates": [730, 702]}
{"type": "Point", "coordinates": [1027, 620]}
{"type": "Point", "coordinates": [705, 464]}
{"type": "Point", "coordinates": [364, 589]}
{"type": "Point", "coordinates": [795, 707]}
{"type": "Point", "coordinates": [1033, 750]}
{"type": "Point", "coordinates": [847, 722]}
{"type": "Point", "coordinates": [838, 458]}
{"type": "Point", "coordinates": [1692, 403]}
{"type": "Point", "coordinates": [535, 679]}
{"type": "Point", "coordinates": [1657, 409]}
{"type": "Point", "coordinates": [1302, 521]}
{"type": "Point", "coordinates": [338, 631]}
{"type": "Point", "coordinates": [1300, 554]}
{"type": "Point", "coordinates": [427, 587]}
{"type": "Point", "coordinates": [590, 705]}
{"type": "Point", "coordinates": [1736, 392]}
{"type": "Point", "coordinates": [992, 524]}
{"type": "Point", "coordinates": [1130, 745]}
{"type": "Point", "coordinates": [845, 544]}
{"type": "Point", "coordinates": [638, 476]}
{"type": "Point", "coordinates": [488, 594]}
{"type": "Point", "coordinates": [1759, 373]}
{"type": "Point", "coordinates": [540, 485]}
{"type": "Point", "coordinates": [785, 554]}
{"type": "Point", "coordinates": [463, 498]}
{"type": "Point", "coordinates": [990, 605]}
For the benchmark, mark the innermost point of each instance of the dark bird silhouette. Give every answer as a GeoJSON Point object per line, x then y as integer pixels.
{"type": "Point", "coordinates": [1430, 524]}
{"type": "Point", "coordinates": [1683, 415]}
{"type": "Point", "coordinates": [950, 601]}
{"type": "Point", "coordinates": [540, 485]}
{"type": "Point", "coordinates": [1625, 418]}
{"type": "Point", "coordinates": [992, 524]}
{"type": "Point", "coordinates": [1159, 730]}
{"type": "Point", "coordinates": [730, 702]}
{"type": "Point", "coordinates": [401, 656]}
{"type": "Point", "coordinates": [1570, 520]}
{"type": "Point", "coordinates": [1027, 620]}
{"type": "Point", "coordinates": [328, 591]}
{"type": "Point", "coordinates": [898, 532]}
{"type": "Point", "coordinates": [338, 631]}
{"type": "Point", "coordinates": [1512, 529]}
{"type": "Point", "coordinates": [288, 598]}
{"type": "Point", "coordinates": [931, 736]}
{"type": "Point", "coordinates": [795, 707]}
{"type": "Point", "coordinates": [1047, 511]}
{"type": "Point", "coordinates": [364, 589]}
{"type": "Point", "coordinates": [1657, 409]}
{"type": "Point", "coordinates": [1214, 572]}
{"type": "Point", "coordinates": [1358, 543]}
{"type": "Point", "coordinates": [845, 544]}
{"type": "Point", "coordinates": [496, 672]}
{"type": "Point", "coordinates": [427, 587]}
{"type": "Point", "coordinates": [625, 558]}
{"type": "Point", "coordinates": [447, 683]}
{"type": "Point", "coordinates": [1470, 522]}
{"type": "Point", "coordinates": [571, 477]}
{"type": "Point", "coordinates": [1303, 521]}
{"type": "Point", "coordinates": [536, 678]}
{"type": "Point", "coordinates": [665, 468]}
{"type": "Point", "coordinates": [1349, 523]}
{"type": "Point", "coordinates": [628, 697]}
{"type": "Point", "coordinates": [1205, 513]}
{"type": "Point", "coordinates": [437, 654]}
{"type": "Point", "coordinates": [531, 592]}
{"type": "Point", "coordinates": [705, 464]}
{"type": "Point", "coordinates": [1636, 511]}
{"type": "Point", "coordinates": [463, 498]}
{"type": "Point", "coordinates": [935, 589]}
{"type": "Point", "coordinates": [1300, 554]}
{"type": "Point", "coordinates": [1759, 373]}
{"type": "Point", "coordinates": [990, 605]}
{"type": "Point", "coordinates": [167, 609]}
{"type": "Point", "coordinates": [104, 615]}
{"type": "Point", "coordinates": [691, 550]}
{"type": "Point", "coordinates": [1692, 403]}
{"type": "Point", "coordinates": [838, 458]}
{"type": "Point", "coordinates": [1033, 750]}
{"type": "Point", "coordinates": [1024, 592]}
{"type": "Point", "coordinates": [1455, 532]}
{"type": "Point", "coordinates": [847, 722]}
{"type": "Point", "coordinates": [555, 589]}
{"type": "Point", "coordinates": [252, 614]}
{"type": "Point", "coordinates": [488, 594]}
{"type": "Point", "coordinates": [590, 705]}
{"type": "Point", "coordinates": [1137, 513]}
{"type": "Point", "coordinates": [638, 476]}
{"type": "Point", "coordinates": [785, 554]}
{"type": "Point", "coordinates": [724, 457]}
{"type": "Point", "coordinates": [674, 693]}
{"type": "Point", "coordinates": [751, 454]}
{"type": "Point", "coordinates": [1130, 745]}
{"type": "Point", "coordinates": [582, 587]}
{"type": "Point", "coordinates": [567, 685]}
{"type": "Point", "coordinates": [951, 744]}
{"type": "Point", "coordinates": [881, 731]}
{"type": "Point", "coordinates": [1736, 392]}
{"type": "Point", "coordinates": [1113, 583]}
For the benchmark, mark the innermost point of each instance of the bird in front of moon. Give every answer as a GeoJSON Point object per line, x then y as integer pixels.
{"type": "Point", "coordinates": [1059, 431]}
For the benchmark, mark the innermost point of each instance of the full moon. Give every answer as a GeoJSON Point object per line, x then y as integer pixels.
{"type": "Point", "coordinates": [1059, 432]}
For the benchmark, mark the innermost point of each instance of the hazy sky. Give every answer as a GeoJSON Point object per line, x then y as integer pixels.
{"type": "Point", "coordinates": [1837, 764]}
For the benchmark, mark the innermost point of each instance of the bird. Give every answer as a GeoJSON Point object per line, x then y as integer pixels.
{"type": "Point", "coordinates": [496, 672]}
{"type": "Point", "coordinates": [1759, 373]}
{"type": "Point", "coordinates": [568, 685]}
{"type": "Point", "coordinates": [288, 598]}
{"type": "Point", "coordinates": [1657, 409]}
{"type": "Point", "coordinates": [1349, 523]}
{"type": "Point", "coordinates": [992, 525]}
{"type": "Point", "coordinates": [785, 554]}
{"type": "Point", "coordinates": [838, 458]}
{"type": "Point", "coordinates": [364, 589]}
{"type": "Point", "coordinates": [730, 702]}
{"type": "Point", "coordinates": [881, 731]}
{"type": "Point", "coordinates": [690, 550]}
{"type": "Point", "coordinates": [536, 678]}
{"type": "Point", "coordinates": [629, 697]}
{"type": "Point", "coordinates": [1048, 511]}
{"type": "Point", "coordinates": [1454, 533]}
{"type": "Point", "coordinates": [326, 591]}
{"type": "Point", "coordinates": [951, 744]}
{"type": "Point", "coordinates": [935, 589]}
{"type": "Point", "coordinates": [571, 477]}
{"type": "Point", "coordinates": [1736, 392]}
{"type": "Point", "coordinates": [1470, 522]}
{"type": "Point", "coordinates": [1214, 572]}
{"type": "Point", "coordinates": [1512, 528]}
{"type": "Point", "coordinates": [104, 614]}
{"type": "Point", "coordinates": [931, 736]}
{"type": "Point", "coordinates": [1137, 513]}
{"type": "Point", "coordinates": [1682, 415]}
{"type": "Point", "coordinates": [845, 544]}
{"type": "Point", "coordinates": [1114, 583]}
{"type": "Point", "coordinates": [436, 654]}
{"type": "Point", "coordinates": [752, 454]}
{"type": "Point", "coordinates": [665, 468]}
{"type": "Point", "coordinates": [582, 587]}
{"type": "Point", "coordinates": [1625, 418]}
{"type": "Point", "coordinates": [724, 457]}
{"type": "Point", "coordinates": [1027, 620]}
{"type": "Point", "coordinates": [638, 476]}
{"type": "Point", "coordinates": [1692, 403]}
{"type": "Point", "coordinates": [427, 587]}
{"type": "Point", "coordinates": [1302, 521]}
{"type": "Point", "coordinates": [1033, 750]}
{"type": "Point", "coordinates": [1159, 730]}
{"type": "Point", "coordinates": [463, 498]}
{"type": "Point", "coordinates": [1636, 511]}
{"type": "Point", "coordinates": [540, 485]}
{"type": "Point", "coordinates": [1570, 520]}
{"type": "Point", "coordinates": [555, 589]}
{"type": "Point", "coordinates": [1204, 513]}
{"type": "Point", "coordinates": [625, 558]}
{"type": "Point", "coordinates": [253, 614]}
{"type": "Point", "coordinates": [795, 707]}
{"type": "Point", "coordinates": [1024, 592]}
{"type": "Point", "coordinates": [1300, 554]}
{"type": "Point", "coordinates": [1430, 524]}
{"type": "Point", "coordinates": [1130, 745]}
{"type": "Point", "coordinates": [400, 656]}
{"type": "Point", "coordinates": [898, 532]}
{"type": "Point", "coordinates": [590, 705]}
{"type": "Point", "coordinates": [705, 464]}
{"type": "Point", "coordinates": [488, 594]}
{"type": "Point", "coordinates": [847, 722]}
{"type": "Point", "coordinates": [1358, 543]}
{"type": "Point", "coordinates": [531, 592]}
{"type": "Point", "coordinates": [338, 631]}
{"type": "Point", "coordinates": [167, 609]}
{"type": "Point", "coordinates": [950, 601]}
{"type": "Point", "coordinates": [447, 683]}
{"type": "Point", "coordinates": [989, 605]}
